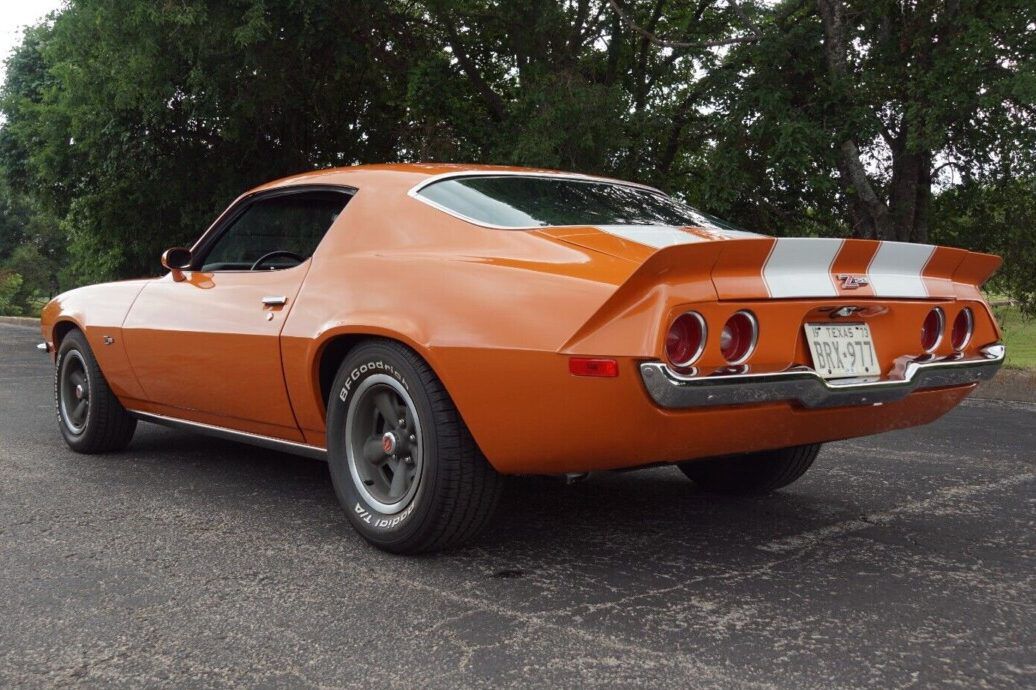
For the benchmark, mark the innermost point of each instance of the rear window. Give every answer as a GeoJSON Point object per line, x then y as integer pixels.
{"type": "Point", "coordinates": [519, 201]}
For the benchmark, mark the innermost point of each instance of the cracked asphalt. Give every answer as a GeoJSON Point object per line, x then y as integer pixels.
{"type": "Point", "coordinates": [901, 560]}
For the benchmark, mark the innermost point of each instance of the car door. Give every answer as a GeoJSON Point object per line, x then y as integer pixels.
{"type": "Point", "coordinates": [205, 342]}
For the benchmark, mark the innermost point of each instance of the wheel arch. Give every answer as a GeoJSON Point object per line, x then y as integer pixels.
{"type": "Point", "coordinates": [61, 328]}
{"type": "Point", "coordinates": [330, 355]}
{"type": "Point", "coordinates": [336, 344]}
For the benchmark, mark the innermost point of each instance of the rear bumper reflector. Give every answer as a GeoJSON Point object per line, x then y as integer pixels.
{"type": "Point", "coordinates": [803, 385]}
{"type": "Point", "coordinates": [591, 366]}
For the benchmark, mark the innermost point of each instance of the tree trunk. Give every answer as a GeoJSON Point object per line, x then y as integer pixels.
{"type": "Point", "coordinates": [903, 193]}
{"type": "Point", "coordinates": [910, 193]}
{"type": "Point", "coordinates": [832, 16]}
{"type": "Point", "coordinates": [878, 213]}
{"type": "Point", "coordinates": [904, 217]}
{"type": "Point", "coordinates": [862, 225]}
{"type": "Point", "coordinates": [494, 103]}
{"type": "Point", "coordinates": [924, 197]}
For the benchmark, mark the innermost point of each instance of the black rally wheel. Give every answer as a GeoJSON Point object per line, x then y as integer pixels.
{"type": "Point", "coordinates": [90, 417]}
{"type": "Point", "coordinates": [404, 466]}
{"type": "Point", "coordinates": [751, 473]}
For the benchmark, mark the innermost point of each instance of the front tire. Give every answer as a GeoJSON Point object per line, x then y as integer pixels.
{"type": "Point", "coordinates": [91, 418]}
{"type": "Point", "coordinates": [751, 473]}
{"type": "Point", "coordinates": [404, 466]}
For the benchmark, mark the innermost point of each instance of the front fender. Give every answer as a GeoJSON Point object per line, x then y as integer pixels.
{"type": "Point", "coordinates": [99, 312]}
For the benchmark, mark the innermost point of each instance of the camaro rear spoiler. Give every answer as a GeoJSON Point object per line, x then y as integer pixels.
{"type": "Point", "coordinates": [816, 268]}
{"type": "Point", "coordinates": [792, 268]}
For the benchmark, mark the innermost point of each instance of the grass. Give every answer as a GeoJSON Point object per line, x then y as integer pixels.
{"type": "Point", "coordinates": [1019, 337]}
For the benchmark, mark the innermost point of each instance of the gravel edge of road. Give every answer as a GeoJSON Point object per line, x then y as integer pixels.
{"type": "Point", "coordinates": [25, 321]}
{"type": "Point", "coordinates": [1018, 385]}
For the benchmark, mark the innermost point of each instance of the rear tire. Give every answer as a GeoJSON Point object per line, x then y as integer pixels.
{"type": "Point", "coordinates": [751, 473]}
{"type": "Point", "coordinates": [91, 418]}
{"type": "Point", "coordinates": [404, 466]}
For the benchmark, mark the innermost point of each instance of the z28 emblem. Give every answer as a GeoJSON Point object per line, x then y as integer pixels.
{"type": "Point", "coordinates": [852, 282]}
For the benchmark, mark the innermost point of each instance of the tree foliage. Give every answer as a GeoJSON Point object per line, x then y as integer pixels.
{"type": "Point", "coordinates": [129, 124]}
{"type": "Point", "coordinates": [998, 219]}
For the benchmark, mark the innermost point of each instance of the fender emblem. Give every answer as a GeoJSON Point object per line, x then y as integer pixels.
{"type": "Point", "coordinates": [852, 282]}
{"type": "Point", "coordinates": [108, 340]}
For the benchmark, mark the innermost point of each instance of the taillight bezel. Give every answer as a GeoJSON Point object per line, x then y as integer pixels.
{"type": "Point", "coordinates": [969, 315]}
{"type": "Point", "coordinates": [940, 330]}
{"type": "Point", "coordinates": [702, 325]}
{"type": "Point", "coordinates": [753, 341]}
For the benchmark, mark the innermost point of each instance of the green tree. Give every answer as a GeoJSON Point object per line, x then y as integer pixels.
{"type": "Point", "coordinates": [10, 284]}
{"type": "Point", "coordinates": [999, 219]}
{"type": "Point", "coordinates": [843, 116]}
{"type": "Point", "coordinates": [136, 122]}
{"type": "Point", "coordinates": [130, 124]}
{"type": "Point", "coordinates": [937, 80]}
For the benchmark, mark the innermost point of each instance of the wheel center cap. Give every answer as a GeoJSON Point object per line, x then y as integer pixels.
{"type": "Point", "coordinates": [79, 392]}
{"type": "Point", "coordinates": [389, 443]}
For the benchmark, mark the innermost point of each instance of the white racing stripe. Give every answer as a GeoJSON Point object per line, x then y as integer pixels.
{"type": "Point", "coordinates": [895, 270]}
{"type": "Point", "coordinates": [657, 236]}
{"type": "Point", "coordinates": [801, 267]}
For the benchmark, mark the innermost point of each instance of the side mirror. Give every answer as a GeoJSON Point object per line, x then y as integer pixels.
{"type": "Point", "coordinates": [176, 259]}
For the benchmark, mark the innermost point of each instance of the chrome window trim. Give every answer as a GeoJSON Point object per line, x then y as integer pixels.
{"type": "Point", "coordinates": [414, 192]}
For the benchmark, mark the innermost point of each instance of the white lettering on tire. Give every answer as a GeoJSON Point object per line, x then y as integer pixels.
{"type": "Point", "coordinates": [359, 371]}
{"type": "Point", "coordinates": [384, 523]}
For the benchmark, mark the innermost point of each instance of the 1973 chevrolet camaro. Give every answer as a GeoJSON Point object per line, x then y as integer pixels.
{"type": "Point", "coordinates": [429, 328]}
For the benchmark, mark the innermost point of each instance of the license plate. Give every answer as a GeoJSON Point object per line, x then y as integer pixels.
{"type": "Point", "coordinates": [841, 350]}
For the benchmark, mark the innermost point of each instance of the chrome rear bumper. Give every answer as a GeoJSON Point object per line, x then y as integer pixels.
{"type": "Point", "coordinates": [805, 386]}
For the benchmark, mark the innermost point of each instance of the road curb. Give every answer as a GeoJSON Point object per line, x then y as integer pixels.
{"type": "Point", "coordinates": [24, 321]}
{"type": "Point", "coordinates": [1017, 385]}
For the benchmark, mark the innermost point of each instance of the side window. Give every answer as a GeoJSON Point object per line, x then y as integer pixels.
{"type": "Point", "coordinates": [290, 224]}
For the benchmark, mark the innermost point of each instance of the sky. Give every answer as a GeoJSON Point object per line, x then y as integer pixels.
{"type": "Point", "coordinates": [15, 15]}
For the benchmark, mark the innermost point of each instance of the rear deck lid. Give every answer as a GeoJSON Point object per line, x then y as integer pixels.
{"type": "Point", "coordinates": [744, 265]}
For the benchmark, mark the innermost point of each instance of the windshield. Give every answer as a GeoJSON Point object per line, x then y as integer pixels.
{"type": "Point", "coordinates": [525, 201]}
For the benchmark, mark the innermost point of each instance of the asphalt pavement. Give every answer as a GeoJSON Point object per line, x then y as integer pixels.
{"type": "Point", "coordinates": [901, 560]}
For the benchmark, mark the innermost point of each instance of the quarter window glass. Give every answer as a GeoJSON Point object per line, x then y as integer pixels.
{"type": "Point", "coordinates": [518, 201]}
{"type": "Point", "coordinates": [292, 223]}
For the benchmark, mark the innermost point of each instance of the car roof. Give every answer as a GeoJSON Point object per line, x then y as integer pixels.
{"type": "Point", "coordinates": [404, 175]}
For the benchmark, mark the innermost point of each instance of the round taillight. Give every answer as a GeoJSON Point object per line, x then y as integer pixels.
{"type": "Point", "coordinates": [686, 339]}
{"type": "Point", "coordinates": [963, 325]}
{"type": "Point", "coordinates": [739, 336]}
{"type": "Point", "coordinates": [931, 329]}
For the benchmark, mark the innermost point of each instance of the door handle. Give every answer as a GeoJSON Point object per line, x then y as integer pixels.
{"type": "Point", "coordinates": [275, 300]}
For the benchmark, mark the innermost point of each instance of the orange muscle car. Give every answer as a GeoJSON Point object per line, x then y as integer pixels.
{"type": "Point", "coordinates": [429, 328]}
